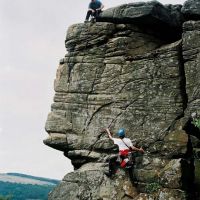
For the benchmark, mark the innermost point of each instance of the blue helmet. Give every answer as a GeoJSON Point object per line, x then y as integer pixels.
{"type": "Point", "coordinates": [121, 132]}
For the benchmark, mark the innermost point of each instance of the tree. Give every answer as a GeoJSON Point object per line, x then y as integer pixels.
{"type": "Point", "coordinates": [9, 197]}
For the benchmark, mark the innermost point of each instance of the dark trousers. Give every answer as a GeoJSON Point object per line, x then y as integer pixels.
{"type": "Point", "coordinates": [113, 165]}
{"type": "Point", "coordinates": [90, 13]}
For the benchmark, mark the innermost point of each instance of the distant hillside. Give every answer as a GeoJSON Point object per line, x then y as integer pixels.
{"type": "Point", "coordinates": [23, 187]}
{"type": "Point", "coordinates": [54, 181]}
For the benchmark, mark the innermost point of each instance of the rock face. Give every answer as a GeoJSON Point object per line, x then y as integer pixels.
{"type": "Point", "coordinates": [148, 14]}
{"type": "Point", "coordinates": [127, 71]}
{"type": "Point", "coordinates": [191, 9]}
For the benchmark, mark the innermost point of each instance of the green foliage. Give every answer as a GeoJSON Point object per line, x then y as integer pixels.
{"type": "Point", "coordinates": [196, 122]}
{"type": "Point", "coordinates": [152, 187]}
{"type": "Point", "coordinates": [8, 197]}
{"type": "Point", "coordinates": [24, 191]}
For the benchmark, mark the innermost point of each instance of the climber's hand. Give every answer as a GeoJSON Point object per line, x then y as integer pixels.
{"type": "Point", "coordinates": [141, 150]}
{"type": "Point", "coordinates": [103, 130]}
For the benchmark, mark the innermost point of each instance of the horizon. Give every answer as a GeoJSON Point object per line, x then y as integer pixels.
{"type": "Point", "coordinates": [18, 174]}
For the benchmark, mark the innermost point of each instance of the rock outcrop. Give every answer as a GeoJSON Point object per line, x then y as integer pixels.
{"type": "Point", "coordinates": [191, 9]}
{"type": "Point", "coordinates": [136, 68]}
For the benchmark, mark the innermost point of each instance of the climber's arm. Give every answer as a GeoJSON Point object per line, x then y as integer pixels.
{"type": "Point", "coordinates": [109, 133]}
{"type": "Point", "coordinates": [102, 6]}
{"type": "Point", "coordinates": [141, 150]}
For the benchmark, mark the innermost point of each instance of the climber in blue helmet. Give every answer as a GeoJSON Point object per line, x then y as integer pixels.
{"type": "Point", "coordinates": [125, 147]}
{"type": "Point", "coordinates": [121, 133]}
{"type": "Point", "coordinates": [94, 9]}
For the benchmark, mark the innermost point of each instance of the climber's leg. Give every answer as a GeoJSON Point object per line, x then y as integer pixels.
{"type": "Point", "coordinates": [112, 167]}
{"type": "Point", "coordinates": [89, 13]}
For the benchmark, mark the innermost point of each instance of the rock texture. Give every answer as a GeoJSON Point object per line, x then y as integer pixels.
{"type": "Point", "coordinates": [191, 9]}
{"type": "Point", "coordinates": [126, 71]}
{"type": "Point", "coordinates": [148, 14]}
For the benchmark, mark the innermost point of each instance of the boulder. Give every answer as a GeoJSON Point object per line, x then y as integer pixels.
{"type": "Point", "coordinates": [92, 183]}
{"type": "Point", "coordinates": [151, 14]}
{"type": "Point", "coordinates": [191, 10]}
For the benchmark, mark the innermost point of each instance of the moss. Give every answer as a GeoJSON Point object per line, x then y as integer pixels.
{"type": "Point", "coordinates": [152, 187]}
{"type": "Point", "coordinates": [196, 123]}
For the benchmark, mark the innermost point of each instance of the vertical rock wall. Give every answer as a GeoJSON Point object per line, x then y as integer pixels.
{"type": "Point", "coordinates": [133, 69]}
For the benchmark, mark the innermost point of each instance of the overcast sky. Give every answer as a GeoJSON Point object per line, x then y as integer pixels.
{"type": "Point", "coordinates": [32, 34]}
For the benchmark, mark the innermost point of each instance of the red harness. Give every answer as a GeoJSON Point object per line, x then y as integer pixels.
{"type": "Point", "coordinates": [124, 152]}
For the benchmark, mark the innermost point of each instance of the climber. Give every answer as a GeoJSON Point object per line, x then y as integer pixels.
{"type": "Point", "coordinates": [125, 147]}
{"type": "Point", "coordinates": [94, 9]}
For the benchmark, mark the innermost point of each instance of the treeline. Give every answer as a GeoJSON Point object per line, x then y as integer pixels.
{"type": "Point", "coordinates": [9, 197]}
{"type": "Point", "coordinates": [54, 181]}
{"type": "Point", "coordinates": [23, 191]}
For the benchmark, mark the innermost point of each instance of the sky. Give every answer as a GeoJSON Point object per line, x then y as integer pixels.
{"type": "Point", "coordinates": [32, 34]}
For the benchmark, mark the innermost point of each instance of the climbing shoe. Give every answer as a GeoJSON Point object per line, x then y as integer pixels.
{"type": "Point", "coordinates": [108, 174]}
{"type": "Point", "coordinates": [93, 20]}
